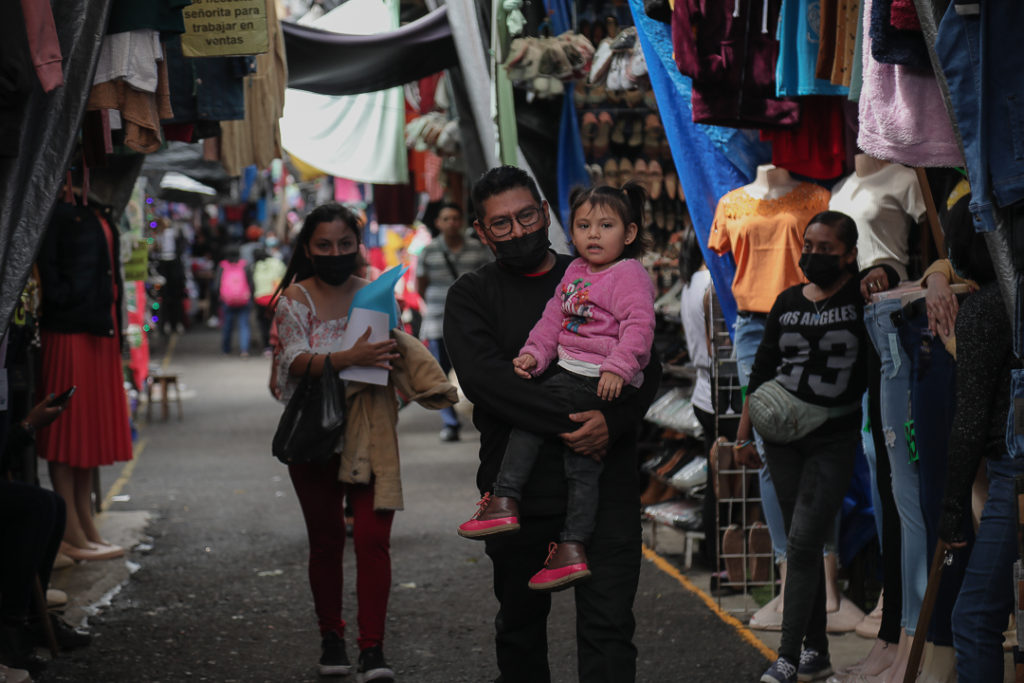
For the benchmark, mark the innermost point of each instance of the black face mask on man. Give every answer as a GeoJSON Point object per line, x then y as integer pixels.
{"type": "Point", "coordinates": [821, 269]}
{"type": "Point", "coordinates": [523, 254]}
{"type": "Point", "coordinates": [335, 270]}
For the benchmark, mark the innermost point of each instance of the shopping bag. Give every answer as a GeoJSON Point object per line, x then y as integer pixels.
{"type": "Point", "coordinates": [312, 427]}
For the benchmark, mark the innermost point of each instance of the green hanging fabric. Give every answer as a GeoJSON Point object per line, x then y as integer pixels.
{"type": "Point", "coordinates": [503, 107]}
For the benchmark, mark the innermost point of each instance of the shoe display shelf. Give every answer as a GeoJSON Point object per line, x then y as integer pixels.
{"type": "Point", "coordinates": [678, 473]}
{"type": "Point", "coordinates": [746, 563]}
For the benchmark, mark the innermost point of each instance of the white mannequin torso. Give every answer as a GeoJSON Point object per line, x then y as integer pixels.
{"type": "Point", "coordinates": [771, 182]}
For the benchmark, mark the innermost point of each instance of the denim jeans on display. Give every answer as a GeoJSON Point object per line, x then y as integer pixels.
{"type": "Point", "coordinates": [977, 45]}
{"type": "Point", "coordinates": [437, 348]}
{"type": "Point", "coordinates": [811, 475]}
{"type": "Point", "coordinates": [896, 412]}
{"type": "Point", "coordinates": [986, 596]}
{"type": "Point", "coordinates": [232, 314]}
{"type": "Point", "coordinates": [748, 332]}
{"type": "Point", "coordinates": [868, 443]}
{"type": "Point", "coordinates": [933, 392]}
{"type": "Point", "coordinates": [890, 541]}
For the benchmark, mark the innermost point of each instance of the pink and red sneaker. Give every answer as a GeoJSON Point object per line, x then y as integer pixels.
{"type": "Point", "coordinates": [566, 566]}
{"type": "Point", "coordinates": [494, 515]}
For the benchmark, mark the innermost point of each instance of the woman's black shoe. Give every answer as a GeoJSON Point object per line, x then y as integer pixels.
{"type": "Point", "coordinates": [372, 665]}
{"type": "Point", "coordinates": [334, 660]}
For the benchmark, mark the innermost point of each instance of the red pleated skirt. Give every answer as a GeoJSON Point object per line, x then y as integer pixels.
{"type": "Point", "coordinates": [94, 428]}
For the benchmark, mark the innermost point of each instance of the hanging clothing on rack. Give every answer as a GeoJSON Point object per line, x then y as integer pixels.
{"type": "Point", "coordinates": [893, 102]}
{"type": "Point", "coordinates": [730, 54]}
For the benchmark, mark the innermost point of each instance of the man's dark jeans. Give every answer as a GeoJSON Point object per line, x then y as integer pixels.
{"type": "Point", "coordinates": [578, 393]}
{"type": "Point", "coordinates": [604, 603]}
{"type": "Point", "coordinates": [811, 476]}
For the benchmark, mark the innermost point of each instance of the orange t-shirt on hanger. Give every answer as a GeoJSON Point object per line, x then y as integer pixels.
{"type": "Point", "coordinates": [765, 237]}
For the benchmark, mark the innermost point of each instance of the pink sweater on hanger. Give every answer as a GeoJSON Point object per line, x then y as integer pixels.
{"type": "Point", "coordinates": [605, 319]}
{"type": "Point", "coordinates": [902, 116]}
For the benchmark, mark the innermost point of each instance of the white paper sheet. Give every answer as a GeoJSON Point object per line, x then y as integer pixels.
{"type": "Point", "coordinates": [358, 321]}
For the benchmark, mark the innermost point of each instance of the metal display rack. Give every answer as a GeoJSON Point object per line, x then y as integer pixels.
{"type": "Point", "coordinates": [738, 512]}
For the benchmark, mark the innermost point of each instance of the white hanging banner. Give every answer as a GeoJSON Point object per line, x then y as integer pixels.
{"type": "Point", "coordinates": [359, 137]}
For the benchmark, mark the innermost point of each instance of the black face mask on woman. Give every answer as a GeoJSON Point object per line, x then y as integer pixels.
{"type": "Point", "coordinates": [523, 254]}
{"type": "Point", "coordinates": [335, 270]}
{"type": "Point", "coordinates": [821, 269]}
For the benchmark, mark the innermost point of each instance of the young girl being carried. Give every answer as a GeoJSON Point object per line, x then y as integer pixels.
{"type": "Point", "coordinates": [599, 327]}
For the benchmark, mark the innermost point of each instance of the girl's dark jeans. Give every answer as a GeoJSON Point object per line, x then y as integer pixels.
{"type": "Point", "coordinates": [811, 476]}
{"type": "Point", "coordinates": [578, 393]}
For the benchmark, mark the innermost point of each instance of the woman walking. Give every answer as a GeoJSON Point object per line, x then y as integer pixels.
{"type": "Point", "coordinates": [311, 317]}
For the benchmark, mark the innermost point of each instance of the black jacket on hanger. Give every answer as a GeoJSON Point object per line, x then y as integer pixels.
{"type": "Point", "coordinates": [78, 278]}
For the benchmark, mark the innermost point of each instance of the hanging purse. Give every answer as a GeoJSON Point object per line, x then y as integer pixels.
{"type": "Point", "coordinates": [312, 427]}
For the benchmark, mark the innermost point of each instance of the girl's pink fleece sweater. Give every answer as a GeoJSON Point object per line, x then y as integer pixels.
{"type": "Point", "coordinates": [605, 318]}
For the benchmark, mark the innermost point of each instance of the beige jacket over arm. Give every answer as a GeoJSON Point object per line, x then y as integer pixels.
{"type": "Point", "coordinates": [371, 437]}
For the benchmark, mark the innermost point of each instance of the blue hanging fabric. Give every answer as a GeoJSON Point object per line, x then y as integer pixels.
{"type": "Point", "coordinates": [572, 169]}
{"type": "Point", "coordinates": [709, 160]}
{"type": "Point", "coordinates": [571, 166]}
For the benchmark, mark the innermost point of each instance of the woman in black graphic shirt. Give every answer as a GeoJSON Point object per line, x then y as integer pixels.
{"type": "Point", "coordinates": [814, 346]}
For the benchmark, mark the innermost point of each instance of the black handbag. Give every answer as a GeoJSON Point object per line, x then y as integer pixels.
{"type": "Point", "coordinates": [312, 427]}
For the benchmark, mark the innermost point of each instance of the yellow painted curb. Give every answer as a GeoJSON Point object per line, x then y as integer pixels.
{"type": "Point", "coordinates": [745, 633]}
{"type": "Point", "coordinates": [126, 474]}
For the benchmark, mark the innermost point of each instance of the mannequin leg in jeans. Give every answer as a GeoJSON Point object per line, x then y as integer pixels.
{"type": "Point", "coordinates": [895, 412]}
{"type": "Point", "coordinates": [933, 390]}
{"type": "Point", "coordinates": [811, 475]}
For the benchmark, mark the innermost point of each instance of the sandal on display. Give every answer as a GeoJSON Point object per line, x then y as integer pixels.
{"type": "Point", "coordinates": [634, 98]}
{"type": "Point", "coordinates": [579, 94]}
{"type": "Point", "coordinates": [759, 549]}
{"type": "Point", "coordinates": [636, 133]}
{"type": "Point", "coordinates": [732, 554]}
{"type": "Point", "coordinates": [603, 137]}
{"type": "Point", "coordinates": [618, 136]}
{"type": "Point", "coordinates": [588, 131]}
{"type": "Point", "coordinates": [611, 172]}
{"type": "Point", "coordinates": [641, 174]}
{"type": "Point", "coordinates": [671, 185]}
{"type": "Point", "coordinates": [625, 171]}
{"type": "Point", "coordinates": [597, 95]}
{"type": "Point", "coordinates": [655, 179]}
{"type": "Point", "coordinates": [653, 133]}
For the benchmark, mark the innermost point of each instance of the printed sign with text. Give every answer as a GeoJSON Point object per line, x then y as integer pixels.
{"type": "Point", "coordinates": [222, 28]}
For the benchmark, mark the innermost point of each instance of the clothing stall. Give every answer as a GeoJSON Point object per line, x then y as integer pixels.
{"type": "Point", "coordinates": [744, 120]}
